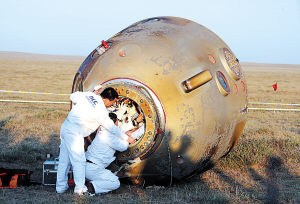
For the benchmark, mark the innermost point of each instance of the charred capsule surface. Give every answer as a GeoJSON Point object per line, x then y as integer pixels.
{"type": "Point", "coordinates": [187, 84]}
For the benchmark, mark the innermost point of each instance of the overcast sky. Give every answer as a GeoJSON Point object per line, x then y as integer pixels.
{"type": "Point", "coordinates": [265, 31]}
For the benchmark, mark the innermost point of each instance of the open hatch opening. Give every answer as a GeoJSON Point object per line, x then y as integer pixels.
{"type": "Point", "coordinates": [139, 111]}
{"type": "Point", "coordinates": [143, 116]}
{"type": "Point", "coordinates": [131, 118]}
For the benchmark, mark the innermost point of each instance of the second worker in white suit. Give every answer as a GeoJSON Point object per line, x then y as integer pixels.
{"type": "Point", "coordinates": [100, 154]}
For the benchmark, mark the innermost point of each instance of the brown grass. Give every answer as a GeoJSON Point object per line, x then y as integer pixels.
{"type": "Point", "coordinates": [263, 167]}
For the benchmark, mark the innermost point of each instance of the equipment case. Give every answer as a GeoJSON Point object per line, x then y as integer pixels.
{"type": "Point", "coordinates": [50, 172]}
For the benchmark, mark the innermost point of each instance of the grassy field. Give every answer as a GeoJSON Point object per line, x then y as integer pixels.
{"type": "Point", "coordinates": [264, 167]}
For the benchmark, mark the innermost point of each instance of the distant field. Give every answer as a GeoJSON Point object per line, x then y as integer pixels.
{"type": "Point", "coordinates": [263, 167]}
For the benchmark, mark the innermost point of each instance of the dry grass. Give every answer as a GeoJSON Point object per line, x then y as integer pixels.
{"type": "Point", "coordinates": [263, 167]}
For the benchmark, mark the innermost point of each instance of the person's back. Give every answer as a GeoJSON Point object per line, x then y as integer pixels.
{"type": "Point", "coordinates": [99, 155]}
{"type": "Point", "coordinates": [85, 113]}
{"type": "Point", "coordinates": [102, 149]}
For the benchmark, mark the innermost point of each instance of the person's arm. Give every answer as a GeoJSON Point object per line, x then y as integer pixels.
{"type": "Point", "coordinates": [105, 121]}
{"type": "Point", "coordinates": [117, 143]}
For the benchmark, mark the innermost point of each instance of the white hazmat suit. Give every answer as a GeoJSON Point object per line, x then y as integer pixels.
{"type": "Point", "coordinates": [100, 154]}
{"type": "Point", "coordinates": [87, 114]}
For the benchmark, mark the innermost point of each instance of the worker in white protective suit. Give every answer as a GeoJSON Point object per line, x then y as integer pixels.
{"type": "Point", "coordinates": [99, 155]}
{"type": "Point", "coordinates": [87, 114]}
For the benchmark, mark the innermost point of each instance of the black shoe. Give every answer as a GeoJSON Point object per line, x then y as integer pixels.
{"type": "Point", "coordinates": [91, 189]}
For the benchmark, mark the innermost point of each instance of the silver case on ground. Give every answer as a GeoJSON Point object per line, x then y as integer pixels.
{"type": "Point", "coordinates": [50, 172]}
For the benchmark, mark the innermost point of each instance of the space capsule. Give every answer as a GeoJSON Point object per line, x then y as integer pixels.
{"type": "Point", "coordinates": [187, 84]}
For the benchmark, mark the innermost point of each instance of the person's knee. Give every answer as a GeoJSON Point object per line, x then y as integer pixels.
{"type": "Point", "coordinates": [117, 183]}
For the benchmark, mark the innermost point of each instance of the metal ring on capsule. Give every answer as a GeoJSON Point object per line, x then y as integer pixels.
{"type": "Point", "coordinates": [230, 63]}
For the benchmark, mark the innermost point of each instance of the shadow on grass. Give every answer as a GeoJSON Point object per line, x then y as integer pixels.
{"type": "Point", "coordinates": [3, 132]}
{"type": "Point", "coordinates": [278, 186]}
{"type": "Point", "coordinates": [30, 153]}
{"type": "Point", "coordinates": [29, 150]}
{"type": "Point", "coordinates": [4, 122]}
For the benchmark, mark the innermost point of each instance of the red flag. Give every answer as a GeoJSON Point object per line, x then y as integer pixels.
{"type": "Point", "coordinates": [275, 86]}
